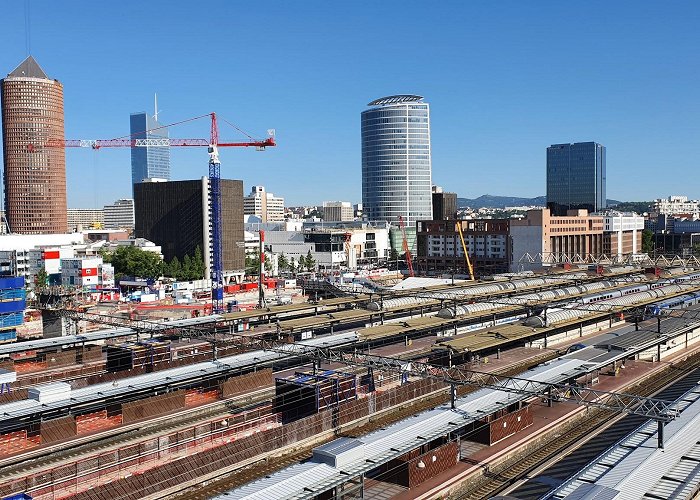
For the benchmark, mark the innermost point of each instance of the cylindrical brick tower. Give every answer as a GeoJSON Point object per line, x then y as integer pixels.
{"type": "Point", "coordinates": [34, 176]}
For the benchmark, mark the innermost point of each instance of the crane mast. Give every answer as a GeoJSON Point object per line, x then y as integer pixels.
{"type": "Point", "coordinates": [464, 249]}
{"type": "Point", "coordinates": [213, 145]}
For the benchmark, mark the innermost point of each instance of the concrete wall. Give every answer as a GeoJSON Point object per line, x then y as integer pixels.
{"type": "Point", "coordinates": [525, 240]}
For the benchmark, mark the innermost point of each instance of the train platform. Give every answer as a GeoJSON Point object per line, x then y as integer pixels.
{"type": "Point", "coordinates": [197, 397]}
{"type": "Point", "coordinates": [476, 461]}
{"type": "Point", "coordinates": [96, 422]}
{"type": "Point", "coordinates": [17, 442]}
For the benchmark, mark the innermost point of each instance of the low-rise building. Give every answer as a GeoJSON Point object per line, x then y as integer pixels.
{"type": "Point", "coordinates": [338, 211]}
{"type": "Point", "coordinates": [49, 260]}
{"type": "Point", "coordinates": [85, 218]}
{"type": "Point", "coordinates": [86, 273]}
{"type": "Point", "coordinates": [93, 235]}
{"type": "Point", "coordinates": [622, 233]}
{"type": "Point", "coordinates": [332, 246]}
{"type": "Point", "coordinates": [439, 247]}
{"type": "Point", "coordinates": [544, 238]}
{"type": "Point", "coordinates": [15, 250]}
{"type": "Point", "coordinates": [502, 245]}
{"type": "Point", "coordinates": [120, 215]}
{"type": "Point", "coordinates": [267, 206]}
{"type": "Point", "coordinates": [678, 205]}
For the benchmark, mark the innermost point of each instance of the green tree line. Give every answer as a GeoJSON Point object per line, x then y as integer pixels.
{"type": "Point", "coordinates": [299, 265]}
{"type": "Point", "coordinates": [133, 261]}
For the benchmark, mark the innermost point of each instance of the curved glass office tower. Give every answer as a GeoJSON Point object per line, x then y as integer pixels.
{"type": "Point", "coordinates": [396, 170]}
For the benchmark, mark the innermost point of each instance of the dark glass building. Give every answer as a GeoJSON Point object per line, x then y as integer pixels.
{"type": "Point", "coordinates": [444, 206]}
{"type": "Point", "coordinates": [175, 215]}
{"type": "Point", "coordinates": [575, 177]}
{"type": "Point", "coordinates": [148, 161]}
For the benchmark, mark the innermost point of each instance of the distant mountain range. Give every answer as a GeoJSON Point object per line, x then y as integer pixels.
{"type": "Point", "coordinates": [490, 201]}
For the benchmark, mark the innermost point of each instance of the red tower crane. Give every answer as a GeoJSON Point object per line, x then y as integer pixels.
{"type": "Point", "coordinates": [216, 253]}
{"type": "Point", "coordinates": [406, 250]}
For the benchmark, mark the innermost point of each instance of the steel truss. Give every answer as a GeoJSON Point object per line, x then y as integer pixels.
{"type": "Point", "coordinates": [554, 258]}
{"type": "Point", "coordinates": [620, 402]}
{"type": "Point", "coordinates": [656, 409]}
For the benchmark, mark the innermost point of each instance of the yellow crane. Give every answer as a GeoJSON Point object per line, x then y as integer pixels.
{"type": "Point", "coordinates": [464, 248]}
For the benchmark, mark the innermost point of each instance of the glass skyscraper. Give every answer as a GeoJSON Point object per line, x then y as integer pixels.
{"type": "Point", "coordinates": [396, 169]}
{"type": "Point", "coordinates": [575, 177]}
{"type": "Point", "coordinates": [148, 161]}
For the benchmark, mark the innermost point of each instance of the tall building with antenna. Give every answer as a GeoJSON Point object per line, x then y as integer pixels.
{"type": "Point", "coordinates": [149, 162]}
{"type": "Point", "coordinates": [34, 176]}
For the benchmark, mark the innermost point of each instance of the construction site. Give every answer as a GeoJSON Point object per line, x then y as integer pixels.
{"type": "Point", "coordinates": [417, 390]}
{"type": "Point", "coordinates": [403, 348]}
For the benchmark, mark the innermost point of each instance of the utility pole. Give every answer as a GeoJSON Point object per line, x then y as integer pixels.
{"type": "Point", "coordinates": [261, 290]}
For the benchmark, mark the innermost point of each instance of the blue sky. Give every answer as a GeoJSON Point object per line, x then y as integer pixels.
{"type": "Point", "coordinates": [504, 80]}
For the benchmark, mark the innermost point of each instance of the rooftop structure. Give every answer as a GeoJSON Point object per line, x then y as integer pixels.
{"type": "Point", "coordinates": [341, 460]}
{"type": "Point", "coordinates": [635, 467]}
{"type": "Point", "coordinates": [34, 177]}
{"type": "Point", "coordinates": [396, 99]}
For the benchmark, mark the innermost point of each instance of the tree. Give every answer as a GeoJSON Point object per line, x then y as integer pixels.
{"type": "Point", "coordinates": [293, 265]}
{"type": "Point", "coordinates": [252, 265]}
{"type": "Point", "coordinates": [186, 273]}
{"type": "Point", "coordinates": [647, 241]}
{"type": "Point", "coordinates": [198, 263]}
{"type": "Point", "coordinates": [133, 261]}
{"type": "Point", "coordinates": [175, 268]}
{"type": "Point", "coordinates": [309, 262]}
{"type": "Point", "coordinates": [41, 279]}
{"type": "Point", "coordinates": [634, 206]}
{"type": "Point", "coordinates": [282, 262]}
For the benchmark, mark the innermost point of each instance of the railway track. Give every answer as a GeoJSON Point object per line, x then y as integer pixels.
{"type": "Point", "coordinates": [265, 467]}
{"type": "Point", "coordinates": [121, 437]}
{"type": "Point", "coordinates": [500, 477]}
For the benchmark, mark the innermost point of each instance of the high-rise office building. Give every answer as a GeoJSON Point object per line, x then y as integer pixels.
{"type": "Point", "coordinates": [148, 162]}
{"type": "Point", "coordinates": [396, 169]}
{"type": "Point", "coordinates": [34, 175]}
{"type": "Point", "coordinates": [575, 177]}
{"type": "Point", "coordinates": [175, 215]}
